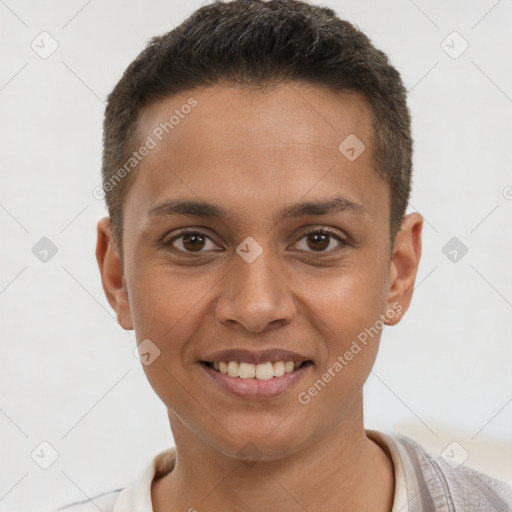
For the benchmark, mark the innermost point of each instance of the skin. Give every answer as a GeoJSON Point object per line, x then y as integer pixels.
{"type": "Point", "coordinates": [253, 151]}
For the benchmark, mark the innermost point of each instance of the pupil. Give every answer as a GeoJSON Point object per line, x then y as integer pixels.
{"type": "Point", "coordinates": [193, 242]}
{"type": "Point", "coordinates": [321, 239]}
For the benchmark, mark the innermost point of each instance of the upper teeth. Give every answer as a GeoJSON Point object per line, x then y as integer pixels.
{"type": "Point", "coordinates": [261, 371]}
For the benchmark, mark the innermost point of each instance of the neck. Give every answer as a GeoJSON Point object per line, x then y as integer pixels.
{"type": "Point", "coordinates": [343, 470]}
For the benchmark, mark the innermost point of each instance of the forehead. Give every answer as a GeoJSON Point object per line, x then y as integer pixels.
{"type": "Point", "coordinates": [268, 143]}
{"type": "Point", "coordinates": [230, 116]}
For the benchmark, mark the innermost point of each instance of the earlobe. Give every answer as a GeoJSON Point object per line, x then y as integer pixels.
{"type": "Point", "coordinates": [404, 264]}
{"type": "Point", "coordinates": [112, 274]}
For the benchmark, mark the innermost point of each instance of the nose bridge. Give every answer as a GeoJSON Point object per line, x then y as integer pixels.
{"type": "Point", "coordinates": [256, 294]}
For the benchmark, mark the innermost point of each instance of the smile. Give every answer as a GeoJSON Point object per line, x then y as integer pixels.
{"type": "Point", "coordinates": [261, 371]}
{"type": "Point", "coordinates": [256, 381]}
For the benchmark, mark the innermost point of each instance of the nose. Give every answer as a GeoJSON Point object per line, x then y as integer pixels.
{"type": "Point", "coordinates": [256, 295]}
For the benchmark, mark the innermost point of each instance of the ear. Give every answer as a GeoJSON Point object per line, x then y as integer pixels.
{"type": "Point", "coordinates": [112, 274]}
{"type": "Point", "coordinates": [404, 265]}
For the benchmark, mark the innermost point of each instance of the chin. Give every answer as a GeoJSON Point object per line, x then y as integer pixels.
{"type": "Point", "coordinates": [261, 442]}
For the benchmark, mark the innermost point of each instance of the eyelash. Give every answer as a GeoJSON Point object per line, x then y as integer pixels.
{"type": "Point", "coordinates": [310, 254]}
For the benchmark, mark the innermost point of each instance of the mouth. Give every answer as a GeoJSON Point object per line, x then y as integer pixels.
{"type": "Point", "coordinates": [259, 371]}
{"type": "Point", "coordinates": [254, 377]}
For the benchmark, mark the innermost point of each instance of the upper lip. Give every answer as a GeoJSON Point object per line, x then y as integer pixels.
{"type": "Point", "coordinates": [255, 357]}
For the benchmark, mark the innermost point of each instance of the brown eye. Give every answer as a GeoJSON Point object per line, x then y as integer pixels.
{"type": "Point", "coordinates": [191, 242]}
{"type": "Point", "coordinates": [320, 241]}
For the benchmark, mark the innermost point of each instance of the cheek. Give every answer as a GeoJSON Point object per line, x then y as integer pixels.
{"type": "Point", "coordinates": [349, 301]}
{"type": "Point", "coordinates": [349, 315]}
{"type": "Point", "coordinates": [161, 300]}
{"type": "Point", "coordinates": [167, 309]}
{"type": "Point", "coordinates": [334, 395]}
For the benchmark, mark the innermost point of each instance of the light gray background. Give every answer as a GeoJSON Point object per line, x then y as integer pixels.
{"type": "Point", "coordinates": [67, 372]}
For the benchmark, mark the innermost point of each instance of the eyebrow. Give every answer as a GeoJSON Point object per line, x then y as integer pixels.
{"type": "Point", "coordinates": [210, 210]}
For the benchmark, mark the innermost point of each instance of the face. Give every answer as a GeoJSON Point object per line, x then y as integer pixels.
{"type": "Point", "coordinates": [254, 245]}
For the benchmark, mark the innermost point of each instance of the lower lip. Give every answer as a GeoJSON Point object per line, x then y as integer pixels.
{"type": "Point", "coordinates": [255, 388]}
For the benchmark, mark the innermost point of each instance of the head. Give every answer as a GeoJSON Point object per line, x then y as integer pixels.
{"type": "Point", "coordinates": [256, 44]}
{"type": "Point", "coordinates": [257, 168]}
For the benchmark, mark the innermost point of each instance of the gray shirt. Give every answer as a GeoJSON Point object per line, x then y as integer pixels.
{"type": "Point", "coordinates": [433, 484]}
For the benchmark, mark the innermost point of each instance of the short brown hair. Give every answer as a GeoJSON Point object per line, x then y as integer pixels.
{"type": "Point", "coordinates": [257, 43]}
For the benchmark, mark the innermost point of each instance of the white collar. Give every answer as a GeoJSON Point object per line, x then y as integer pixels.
{"type": "Point", "coordinates": [137, 497]}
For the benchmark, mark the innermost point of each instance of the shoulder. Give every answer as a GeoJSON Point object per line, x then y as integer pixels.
{"type": "Point", "coordinates": [456, 485]}
{"type": "Point", "coordinates": [104, 502]}
{"type": "Point", "coordinates": [137, 496]}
